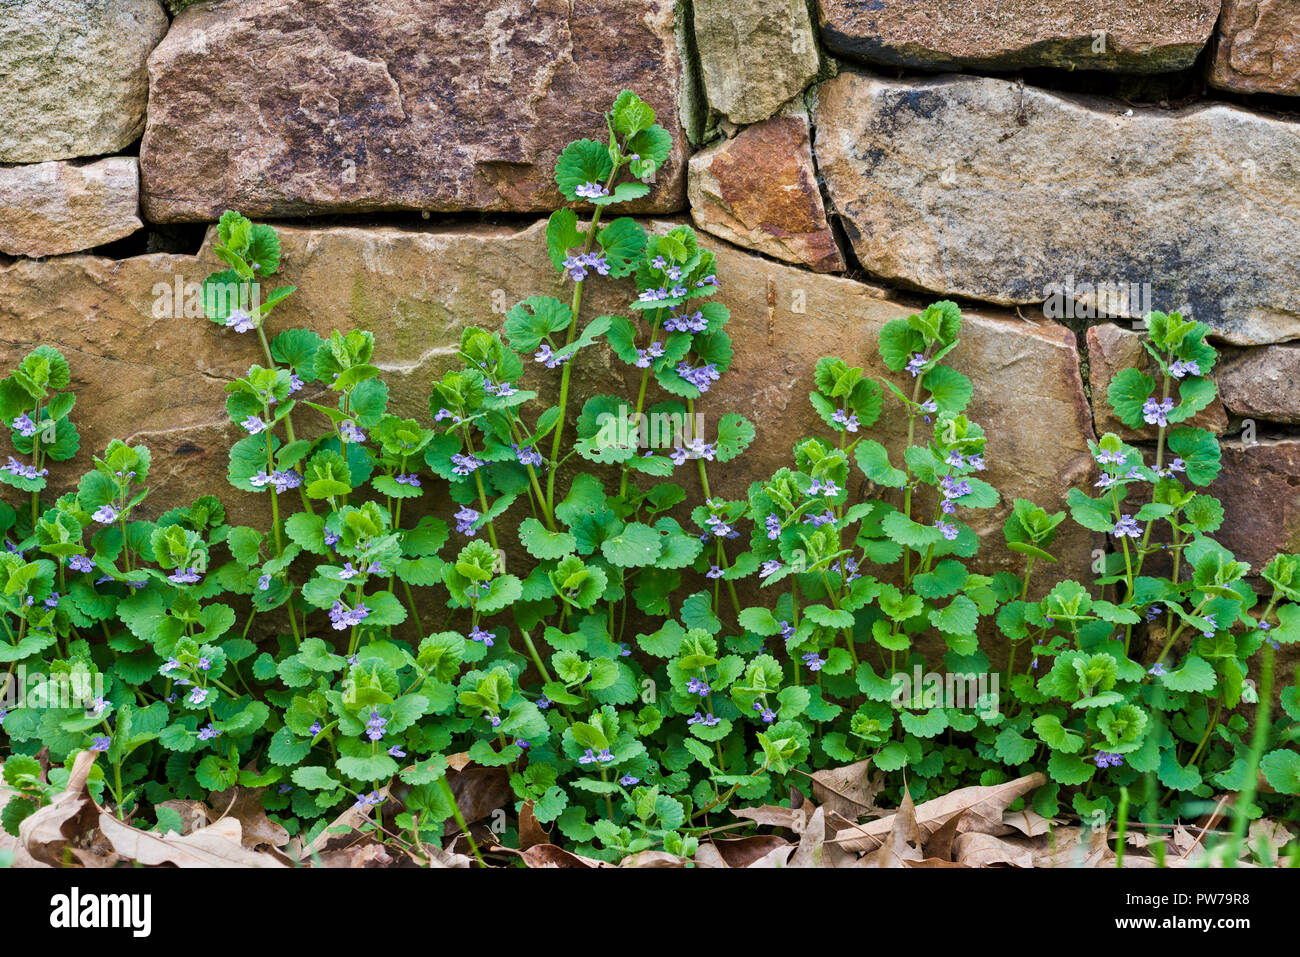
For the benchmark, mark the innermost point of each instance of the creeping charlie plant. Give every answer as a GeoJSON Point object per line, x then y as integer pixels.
{"type": "Point", "coordinates": [613, 672]}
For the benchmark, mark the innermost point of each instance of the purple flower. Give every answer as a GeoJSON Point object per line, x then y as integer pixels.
{"type": "Point", "coordinates": [253, 425]}
{"type": "Point", "coordinates": [375, 726]}
{"type": "Point", "coordinates": [295, 383]}
{"type": "Point", "coordinates": [264, 583]}
{"type": "Point", "coordinates": [1127, 525]}
{"type": "Point", "coordinates": [372, 799]}
{"type": "Point", "coordinates": [769, 568]}
{"type": "Point", "coordinates": [1180, 368]}
{"type": "Point", "coordinates": [184, 576]}
{"type": "Point", "coordinates": [465, 464]}
{"type": "Point", "coordinates": [648, 355]}
{"type": "Point", "coordinates": [341, 616]}
{"type": "Point", "coordinates": [548, 358]}
{"type": "Point", "coordinates": [24, 471]}
{"type": "Point", "coordinates": [239, 320]}
{"type": "Point", "coordinates": [80, 563]}
{"type": "Point", "coordinates": [947, 529]}
{"type": "Point", "coordinates": [714, 572]}
{"type": "Point", "coordinates": [25, 426]}
{"type": "Point", "coordinates": [101, 743]}
{"type": "Point", "coordinates": [816, 521]}
{"type": "Point", "coordinates": [543, 702]}
{"type": "Point", "coordinates": [696, 686]}
{"type": "Point", "coordinates": [916, 364]}
{"type": "Point", "coordinates": [207, 733]}
{"type": "Point", "coordinates": [52, 601]}
{"type": "Point", "coordinates": [605, 755]}
{"type": "Point", "coordinates": [848, 420]}
{"type": "Point", "coordinates": [627, 780]}
{"type": "Point", "coordinates": [590, 191]}
{"type": "Point", "coordinates": [1157, 669]}
{"type": "Point", "coordinates": [465, 520]}
{"type": "Point", "coordinates": [695, 322]}
{"type": "Point", "coordinates": [198, 696]}
{"type": "Point", "coordinates": [521, 743]}
{"type": "Point", "coordinates": [767, 714]}
{"type": "Point", "coordinates": [708, 720]}
{"type": "Point", "coordinates": [787, 630]}
{"type": "Point", "coordinates": [527, 455]}
{"type": "Point", "coordinates": [588, 757]}
{"type": "Point", "coordinates": [813, 661]}
{"type": "Point", "coordinates": [350, 433]}
{"type": "Point", "coordinates": [1178, 465]}
{"type": "Point", "coordinates": [1155, 411]}
{"type": "Point", "coordinates": [700, 377]}
{"type": "Point", "coordinates": [478, 634]}
{"type": "Point", "coordinates": [315, 729]}
{"type": "Point", "coordinates": [1106, 759]}
{"type": "Point", "coordinates": [773, 525]}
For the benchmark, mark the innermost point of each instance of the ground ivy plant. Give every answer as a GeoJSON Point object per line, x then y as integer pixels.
{"type": "Point", "coordinates": [633, 653]}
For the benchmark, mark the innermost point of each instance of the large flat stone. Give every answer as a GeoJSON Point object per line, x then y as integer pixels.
{"type": "Point", "coordinates": [47, 209]}
{"type": "Point", "coordinates": [759, 190]}
{"type": "Point", "coordinates": [160, 380]}
{"type": "Point", "coordinates": [1259, 487]}
{"type": "Point", "coordinates": [1257, 47]}
{"type": "Point", "coordinates": [280, 108]}
{"type": "Point", "coordinates": [1262, 383]}
{"type": "Point", "coordinates": [73, 74]}
{"type": "Point", "coordinates": [1117, 35]}
{"type": "Point", "coordinates": [1111, 350]}
{"type": "Point", "coordinates": [754, 54]}
{"type": "Point", "coordinates": [980, 188]}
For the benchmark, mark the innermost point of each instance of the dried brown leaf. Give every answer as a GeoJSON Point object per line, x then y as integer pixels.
{"type": "Point", "coordinates": [653, 859]}
{"type": "Point", "coordinates": [48, 834]}
{"type": "Point", "coordinates": [981, 809]}
{"type": "Point", "coordinates": [550, 855]}
{"type": "Point", "coordinates": [245, 806]}
{"type": "Point", "coordinates": [740, 851]}
{"type": "Point", "coordinates": [792, 819]}
{"type": "Point", "coordinates": [903, 843]}
{"type": "Point", "coordinates": [530, 829]}
{"type": "Point", "coordinates": [194, 814]}
{"type": "Point", "coordinates": [848, 792]}
{"type": "Point", "coordinates": [976, 849]}
{"type": "Point", "coordinates": [219, 845]}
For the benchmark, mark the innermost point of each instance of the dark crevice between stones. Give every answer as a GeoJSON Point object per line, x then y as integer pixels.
{"type": "Point", "coordinates": [693, 110]}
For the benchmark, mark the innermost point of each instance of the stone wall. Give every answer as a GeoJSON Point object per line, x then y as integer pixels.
{"type": "Point", "coordinates": [1058, 166]}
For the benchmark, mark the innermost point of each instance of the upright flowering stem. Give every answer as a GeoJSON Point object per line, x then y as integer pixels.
{"type": "Point", "coordinates": [907, 492]}
{"type": "Point", "coordinates": [704, 486]}
{"type": "Point", "coordinates": [288, 419]}
{"type": "Point", "coordinates": [567, 371]}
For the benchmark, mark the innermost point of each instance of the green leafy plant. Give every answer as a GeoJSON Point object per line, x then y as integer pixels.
{"type": "Point", "coordinates": [593, 649]}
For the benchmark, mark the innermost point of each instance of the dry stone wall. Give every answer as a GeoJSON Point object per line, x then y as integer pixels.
{"type": "Point", "coordinates": [847, 160]}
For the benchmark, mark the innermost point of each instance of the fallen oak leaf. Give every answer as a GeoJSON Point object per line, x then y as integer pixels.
{"type": "Point", "coordinates": [245, 806]}
{"type": "Point", "coordinates": [530, 829]}
{"type": "Point", "coordinates": [976, 849]}
{"type": "Point", "coordinates": [771, 815]}
{"type": "Point", "coordinates": [219, 845]}
{"type": "Point", "coordinates": [551, 855]}
{"type": "Point", "coordinates": [981, 807]}
{"type": "Point", "coordinates": [738, 852]}
{"type": "Point", "coordinates": [848, 792]}
{"type": "Point", "coordinates": [903, 843]}
{"type": "Point", "coordinates": [48, 833]}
